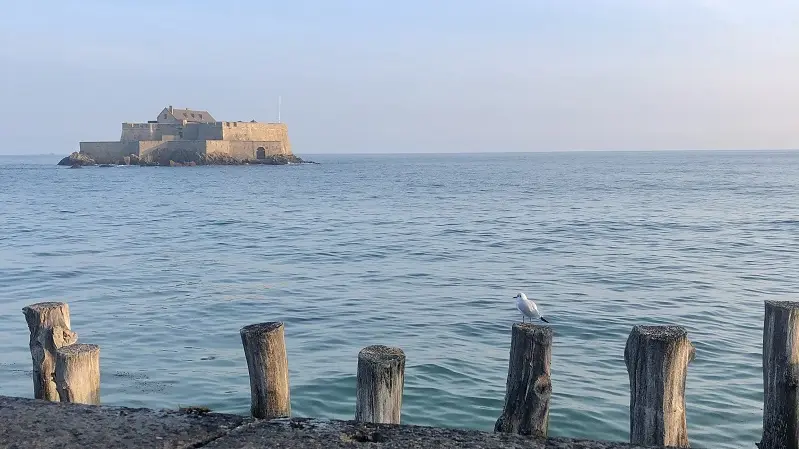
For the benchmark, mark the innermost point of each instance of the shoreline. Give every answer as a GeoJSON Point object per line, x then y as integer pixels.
{"type": "Point", "coordinates": [42, 424]}
{"type": "Point", "coordinates": [79, 160]}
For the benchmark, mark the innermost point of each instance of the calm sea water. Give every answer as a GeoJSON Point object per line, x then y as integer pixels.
{"type": "Point", "coordinates": [162, 266]}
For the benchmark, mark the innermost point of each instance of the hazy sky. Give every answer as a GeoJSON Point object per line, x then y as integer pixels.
{"type": "Point", "coordinates": [410, 76]}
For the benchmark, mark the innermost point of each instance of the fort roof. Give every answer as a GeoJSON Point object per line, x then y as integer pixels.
{"type": "Point", "coordinates": [191, 115]}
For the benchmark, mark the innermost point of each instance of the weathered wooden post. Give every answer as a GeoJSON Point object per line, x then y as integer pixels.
{"type": "Point", "coordinates": [780, 376]}
{"type": "Point", "coordinates": [529, 386]}
{"type": "Point", "coordinates": [48, 323]}
{"type": "Point", "coordinates": [265, 349]}
{"type": "Point", "coordinates": [77, 373]}
{"type": "Point", "coordinates": [379, 385]}
{"type": "Point", "coordinates": [657, 360]}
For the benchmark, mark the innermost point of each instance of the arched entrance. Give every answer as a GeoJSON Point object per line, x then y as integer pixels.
{"type": "Point", "coordinates": [260, 153]}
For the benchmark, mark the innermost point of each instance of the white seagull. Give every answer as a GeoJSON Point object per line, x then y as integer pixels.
{"type": "Point", "coordinates": [528, 308]}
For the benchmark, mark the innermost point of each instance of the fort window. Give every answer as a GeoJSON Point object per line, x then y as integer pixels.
{"type": "Point", "coordinates": [260, 153]}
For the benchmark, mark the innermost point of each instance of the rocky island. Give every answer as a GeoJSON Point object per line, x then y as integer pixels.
{"type": "Point", "coordinates": [180, 137]}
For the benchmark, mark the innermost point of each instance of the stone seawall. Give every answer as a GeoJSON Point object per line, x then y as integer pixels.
{"type": "Point", "coordinates": [182, 152]}
{"type": "Point", "coordinates": [29, 424]}
{"type": "Point", "coordinates": [107, 152]}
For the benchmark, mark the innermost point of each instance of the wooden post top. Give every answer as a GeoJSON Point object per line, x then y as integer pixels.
{"type": "Point", "coordinates": [533, 330]}
{"type": "Point", "coordinates": [78, 348]}
{"type": "Point", "coordinates": [261, 328]}
{"type": "Point", "coordinates": [660, 333]}
{"type": "Point", "coordinates": [45, 305]}
{"type": "Point", "coordinates": [789, 305]}
{"type": "Point", "coordinates": [381, 354]}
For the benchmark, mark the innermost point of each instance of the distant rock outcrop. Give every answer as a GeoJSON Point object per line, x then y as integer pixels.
{"type": "Point", "coordinates": [279, 159]}
{"type": "Point", "coordinates": [78, 159]}
{"type": "Point", "coordinates": [130, 160]}
{"type": "Point", "coordinates": [188, 158]}
{"type": "Point", "coordinates": [184, 158]}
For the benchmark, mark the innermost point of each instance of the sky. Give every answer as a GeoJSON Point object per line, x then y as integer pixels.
{"type": "Point", "coordinates": [370, 76]}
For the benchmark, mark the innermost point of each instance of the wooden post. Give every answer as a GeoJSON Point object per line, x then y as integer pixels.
{"type": "Point", "coordinates": [529, 386]}
{"type": "Point", "coordinates": [265, 349]}
{"type": "Point", "coordinates": [657, 359]}
{"type": "Point", "coordinates": [380, 381]}
{"type": "Point", "coordinates": [48, 323]}
{"type": "Point", "coordinates": [780, 376]}
{"type": "Point", "coordinates": [77, 373]}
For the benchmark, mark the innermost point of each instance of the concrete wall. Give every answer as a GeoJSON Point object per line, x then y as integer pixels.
{"type": "Point", "coordinates": [209, 131]}
{"type": "Point", "coordinates": [177, 150]}
{"type": "Point", "coordinates": [190, 132]}
{"type": "Point", "coordinates": [168, 132]}
{"type": "Point", "coordinates": [248, 150]}
{"type": "Point", "coordinates": [104, 152]}
{"type": "Point", "coordinates": [151, 131]}
{"type": "Point", "coordinates": [243, 150]}
{"type": "Point", "coordinates": [145, 147]}
{"type": "Point", "coordinates": [226, 131]}
{"type": "Point", "coordinates": [138, 131]}
{"type": "Point", "coordinates": [259, 132]}
{"type": "Point", "coordinates": [217, 146]}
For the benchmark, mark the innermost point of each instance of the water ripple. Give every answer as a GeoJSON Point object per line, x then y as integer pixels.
{"type": "Point", "coordinates": [163, 267]}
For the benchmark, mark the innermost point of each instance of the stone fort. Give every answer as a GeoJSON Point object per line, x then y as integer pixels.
{"type": "Point", "coordinates": [179, 132]}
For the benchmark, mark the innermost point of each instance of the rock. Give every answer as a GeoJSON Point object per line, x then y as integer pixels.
{"type": "Point", "coordinates": [77, 158]}
{"type": "Point", "coordinates": [184, 158]}
{"type": "Point", "coordinates": [91, 426]}
{"type": "Point", "coordinates": [180, 158]}
{"type": "Point", "coordinates": [218, 159]}
{"type": "Point", "coordinates": [279, 159]}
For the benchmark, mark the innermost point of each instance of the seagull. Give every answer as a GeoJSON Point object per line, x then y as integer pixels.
{"type": "Point", "coordinates": [528, 308]}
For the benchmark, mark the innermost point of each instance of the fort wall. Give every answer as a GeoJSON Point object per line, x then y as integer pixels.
{"type": "Point", "coordinates": [243, 150]}
{"type": "Point", "coordinates": [209, 131]}
{"type": "Point", "coordinates": [259, 132]}
{"type": "Point", "coordinates": [164, 150]}
{"type": "Point", "coordinates": [233, 131]}
{"type": "Point", "coordinates": [169, 139]}
{"type": "Point", "coordinates": [177, 150]}
{"type": "Point", "coordinates": [249, 150]}
{"type": "Point", "coordinates": [219, 147]}
{"type": "Point", "coordinates": [150, 131]}
{"type": "Point", "coordinates": [137, 131]}
{"type": "Point", "coordinates": [104, 152]}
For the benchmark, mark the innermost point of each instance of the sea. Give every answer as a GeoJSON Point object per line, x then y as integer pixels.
{"type": "Point", "coordinates": [161, 267]}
